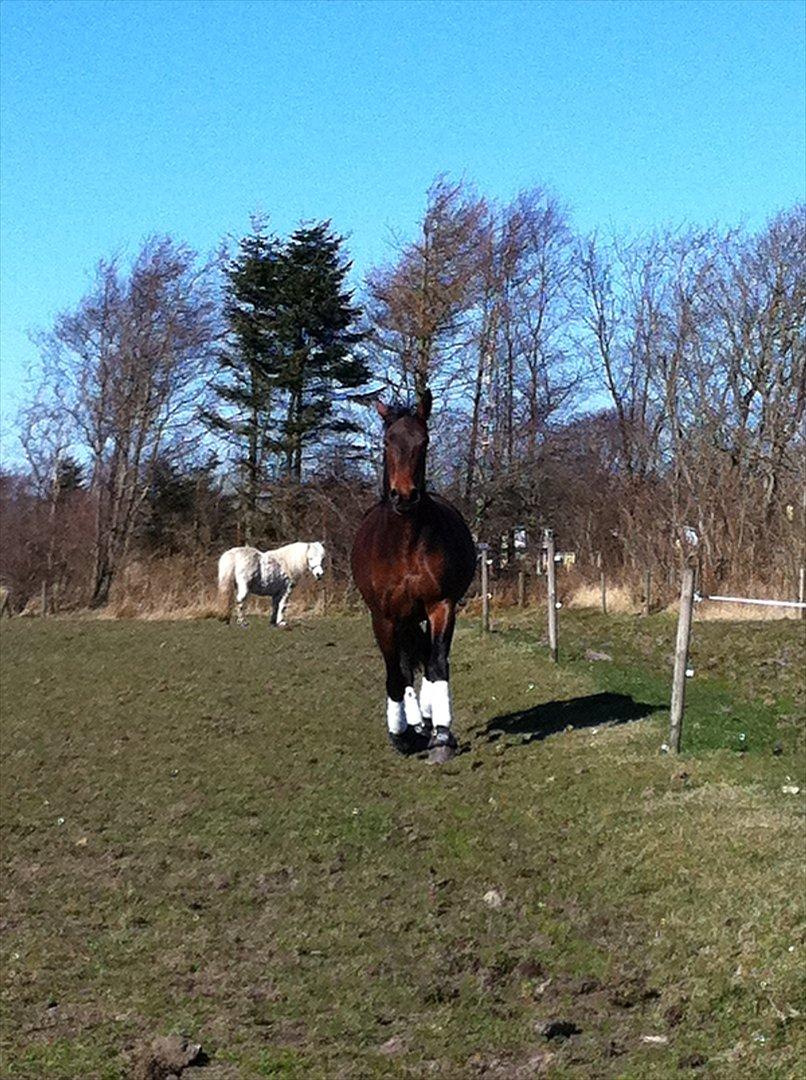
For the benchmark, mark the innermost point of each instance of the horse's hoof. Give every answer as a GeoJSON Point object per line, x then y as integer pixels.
{"type": "Point", "coordinates": [442, 746]}
{"type": "Point", "coordinates": [400, 742]}
{"type": "Point", "coordinates": [441, 755]}
{"type": "Point", "coordinates": [411, 741]}
{"type": "Point", "coordinates": [424, 733]}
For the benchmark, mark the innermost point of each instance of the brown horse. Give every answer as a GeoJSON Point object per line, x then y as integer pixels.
{"type": "Point", "coordinates": [413, 559]}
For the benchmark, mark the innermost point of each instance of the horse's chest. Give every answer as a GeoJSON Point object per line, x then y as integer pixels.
{"type": "Point", "coordinates": [407, 588]}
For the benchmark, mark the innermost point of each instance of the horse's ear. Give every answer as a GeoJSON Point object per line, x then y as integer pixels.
{"type": "Point", "coordinates": [383, 410]}
{"type": "Point", "coordinates": [424, 405]}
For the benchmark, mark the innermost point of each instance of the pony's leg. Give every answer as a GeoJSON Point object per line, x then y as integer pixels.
{"type": "Point", "coordinates": [441, 619]}
{"type": "Point", "coordinates": [396, 722]}
{"type": "Point", "coordinates": [241, 593]}
{"type": "Point", "coordinates": [281, 606]}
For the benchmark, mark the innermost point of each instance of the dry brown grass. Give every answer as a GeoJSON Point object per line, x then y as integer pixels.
{"type": "Point", "coordinates": [715, 612]}
{"type": "Point", "coordinates": [172, 587]}
{"type": "Point", "coordinates": [620, 599]}
{"type": "Point", "coordinates": [185, 587]}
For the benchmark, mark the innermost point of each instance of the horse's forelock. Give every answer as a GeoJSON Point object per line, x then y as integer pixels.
{"type": "Point", "coordinates": [397, 412]}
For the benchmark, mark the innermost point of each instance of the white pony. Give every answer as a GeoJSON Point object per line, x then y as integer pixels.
{"type": "Point", "coordinates": [244, 570]}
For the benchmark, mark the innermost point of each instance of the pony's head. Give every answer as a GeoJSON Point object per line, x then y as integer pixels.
{"type": "Point", "coordinates": [315, 558]}
{"type": "Point", "coordinates": [405, 446]}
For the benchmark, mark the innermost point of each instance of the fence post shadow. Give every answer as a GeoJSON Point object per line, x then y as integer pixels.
{"type": "Point", "coordinates": [549, 718]}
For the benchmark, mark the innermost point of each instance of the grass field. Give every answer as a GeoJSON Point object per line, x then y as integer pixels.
{"type": "Point", "coordinates": [205, 832]}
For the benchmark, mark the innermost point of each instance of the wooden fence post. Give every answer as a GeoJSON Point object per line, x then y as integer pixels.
{"type": "Point", "coordinates": [681, 658]}
{"type": "Point", "coordinates": [521, 587]}
{"type": "Point", "coordinates": [551, 571]}
{"type": "Point", "coordinates": [485, 589]}
{"type": "Point", "coordinates": [647, 592]}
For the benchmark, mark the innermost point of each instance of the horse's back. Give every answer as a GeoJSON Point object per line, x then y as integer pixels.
{"type": "Point", "coordinates": [238, 559]}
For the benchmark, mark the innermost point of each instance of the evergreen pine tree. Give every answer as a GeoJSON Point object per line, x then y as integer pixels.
{"type": "Point", "coordinates": [316, 334]}
{"type": "Point", "coordinates": [290, 350]}
{"type": "Point", "coordinates": [247, 382]}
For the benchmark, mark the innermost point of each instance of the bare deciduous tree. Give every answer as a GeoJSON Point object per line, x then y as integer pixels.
{"type": "Point", "coordinates": [417, 305]}
{"type": "Point", "coordinates": [127, 368]}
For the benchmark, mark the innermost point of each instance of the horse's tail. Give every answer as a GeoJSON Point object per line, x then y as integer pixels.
{"type": "Point", "coordinates": [226, 586]}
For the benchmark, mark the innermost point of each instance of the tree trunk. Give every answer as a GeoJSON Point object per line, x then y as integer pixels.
{"type": "Point", "coordinates": [470, 472]}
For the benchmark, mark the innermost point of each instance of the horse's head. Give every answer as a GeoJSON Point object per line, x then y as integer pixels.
{"type": "Point", "coordinates": [315, 558]}
{"type": "Point", "coordinates": [405, 445]}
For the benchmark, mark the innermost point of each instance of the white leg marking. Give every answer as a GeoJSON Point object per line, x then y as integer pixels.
{"type": "Point", "coordinates": [425, 699]}
{"type": "Point", "coordinates": [241, 594]}
{"type": "Point", "coordinates": [281, 608]}
{"type": "Point", "coordinates": [440, 703]}
{"type": "Point", "coordinates": [411, 708]}
{"type": "Point", "coordinates": [395, 717]}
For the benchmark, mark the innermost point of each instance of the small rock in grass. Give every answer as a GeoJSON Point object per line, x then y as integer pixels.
{"type": "Point", "coordinates": [655, 1040]}
{"type": "Point", "coordinates": [167, 1056]}
{"type": "Point", "coordinates": [493, 899]}
{"type": "Point", "coordinates": [557, 1029]}
{"type": "Point", "coordinates": [395, 1045]}
{"type": "Point", "coordinates": [790, 789]}
{"type": "Point", "coordinates": [592, 654]}
{"type": "Point", "coordinates": [540, 1061]}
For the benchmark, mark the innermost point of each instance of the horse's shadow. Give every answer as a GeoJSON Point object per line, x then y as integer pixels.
{"type": "Point", "coordinates": [540, 721]}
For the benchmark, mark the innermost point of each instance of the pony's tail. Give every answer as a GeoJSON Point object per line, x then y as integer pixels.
{"type": "Point", "coordinates": [226, 588]}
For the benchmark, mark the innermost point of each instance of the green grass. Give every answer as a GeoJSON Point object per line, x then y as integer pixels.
{"type": "Point", "coordinates": [243, 859]}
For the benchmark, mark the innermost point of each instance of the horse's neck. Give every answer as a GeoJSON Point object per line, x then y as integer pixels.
{"type": "Point", "coordinates": [291, 561]}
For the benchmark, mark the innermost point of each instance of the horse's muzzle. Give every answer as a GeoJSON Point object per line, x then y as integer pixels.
{"type": "Point", "coordinates": [405, 504]}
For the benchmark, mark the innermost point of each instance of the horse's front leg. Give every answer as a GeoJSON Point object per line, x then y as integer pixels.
{"type": "Point", "coordinates": [414, 649]}
{"type": "Point", "coordinates": [398, 703]}
{"type": "Point", "coordinates": [279, 611]}
{"type": "Point", "coordinates": [436, 690]}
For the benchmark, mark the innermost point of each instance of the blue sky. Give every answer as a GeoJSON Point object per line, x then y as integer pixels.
{"type": "Point", "coordinates": [122, 118]}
